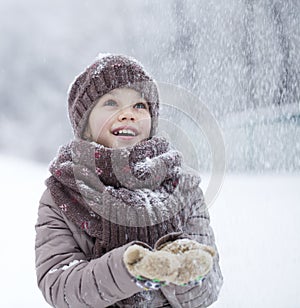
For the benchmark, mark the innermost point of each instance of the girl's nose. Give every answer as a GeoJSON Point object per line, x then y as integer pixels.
{"type": "Point", "coordinates": [126, 114]}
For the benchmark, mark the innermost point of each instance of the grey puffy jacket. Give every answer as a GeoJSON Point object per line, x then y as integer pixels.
{"type": "Point", "coordinates": [69, 277]}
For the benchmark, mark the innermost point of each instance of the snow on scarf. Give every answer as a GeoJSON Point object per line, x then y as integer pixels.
{"type": "Point", "coordinates": [118, 195]}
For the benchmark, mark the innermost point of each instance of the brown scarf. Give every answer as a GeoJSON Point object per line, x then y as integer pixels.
{"type": "Point", "coordinates": [118, 195]}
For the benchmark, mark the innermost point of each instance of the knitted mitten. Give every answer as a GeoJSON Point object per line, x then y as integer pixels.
{"type": "Point", "coordinates": [178, 262]}
{"type": "Point", "coordinates": [196, 260]}
{"type": "Point", "coordinates": [153, 265]}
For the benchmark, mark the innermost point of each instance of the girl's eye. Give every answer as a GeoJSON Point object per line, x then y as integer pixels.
{"type": "Point", "coordinates": [140, 106]}
{"type": "Point", "coordinates": [110, 103]}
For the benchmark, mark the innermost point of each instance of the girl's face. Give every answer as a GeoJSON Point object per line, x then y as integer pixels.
{"type": "Point", "coordinates": [121, 118]}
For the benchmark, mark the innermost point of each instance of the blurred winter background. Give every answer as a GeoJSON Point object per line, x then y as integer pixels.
{"type": "Point", "coordinates": [238, 57]}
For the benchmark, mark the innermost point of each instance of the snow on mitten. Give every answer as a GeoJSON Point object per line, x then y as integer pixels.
{"type": "Point", "coordinates": [196, 260]}
{"type": "Point", "coordinates": [154, 265]}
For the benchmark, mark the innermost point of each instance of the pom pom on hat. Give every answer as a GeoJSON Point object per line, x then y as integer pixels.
{"type": "Point", "coordinates": [106, 73]}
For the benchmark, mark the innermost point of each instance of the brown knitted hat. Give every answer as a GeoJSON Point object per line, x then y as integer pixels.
{"type": "Point", "coordinates": [106, 73]}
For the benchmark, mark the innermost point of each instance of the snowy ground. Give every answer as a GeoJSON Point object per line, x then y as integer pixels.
{"type": "Point", "coordinates": [21, 185]}
{"type": "Point", "coordinates": [255, 219]}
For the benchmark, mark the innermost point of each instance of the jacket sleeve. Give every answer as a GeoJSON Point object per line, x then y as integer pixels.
{"type": "Point", "coordinates": [65, 275]}
{"type": "Point", "coordinates": [196, 227]}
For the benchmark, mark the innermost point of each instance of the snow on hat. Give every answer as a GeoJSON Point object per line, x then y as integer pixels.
{"type": "Point", "coordinates": [106, 73]}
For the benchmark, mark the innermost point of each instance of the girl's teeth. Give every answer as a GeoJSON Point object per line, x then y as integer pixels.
{"type": "Point", "coordinates": [125, 131]}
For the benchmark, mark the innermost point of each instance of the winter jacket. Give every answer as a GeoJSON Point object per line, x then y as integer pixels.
{"type": "Point", "coordinates": [69, 277]}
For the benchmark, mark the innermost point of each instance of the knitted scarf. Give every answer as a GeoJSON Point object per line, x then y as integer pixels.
{"type": "Point", "coordinates": [118, 195]}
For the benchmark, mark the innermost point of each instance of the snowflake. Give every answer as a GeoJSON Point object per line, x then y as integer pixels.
{"type": "Point", "coordinates": [64, 207]}
{"type": "Point", "coordinates": [99, 170]}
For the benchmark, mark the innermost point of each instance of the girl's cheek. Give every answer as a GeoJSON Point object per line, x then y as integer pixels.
{"type": "Point", "coordinates": [96, 127]}
{"type": "Point", "coordinates": [146, 121]}
{"type": "Point", "coordinates": [100, 129]}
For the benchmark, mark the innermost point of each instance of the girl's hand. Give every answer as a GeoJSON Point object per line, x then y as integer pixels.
{"type": "Point", "coordinates": [196, 260]}
{"type": "Point", "coordinates": [180, 262]}
{"type": "Point", "coordinates": [153, 265]}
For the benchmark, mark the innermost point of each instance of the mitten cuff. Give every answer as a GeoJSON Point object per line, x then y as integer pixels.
{"type": "Point", "coordinates": [147, 284]}
{"type": "Point", "coordinates": [155, 284]}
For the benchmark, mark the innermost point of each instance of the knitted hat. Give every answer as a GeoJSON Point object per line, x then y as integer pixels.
{"type": "Point", "coordinates": [109, 72]}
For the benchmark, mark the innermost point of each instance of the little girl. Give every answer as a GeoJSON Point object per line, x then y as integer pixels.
{"type": "Point", "coordinates": [121, 223]}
